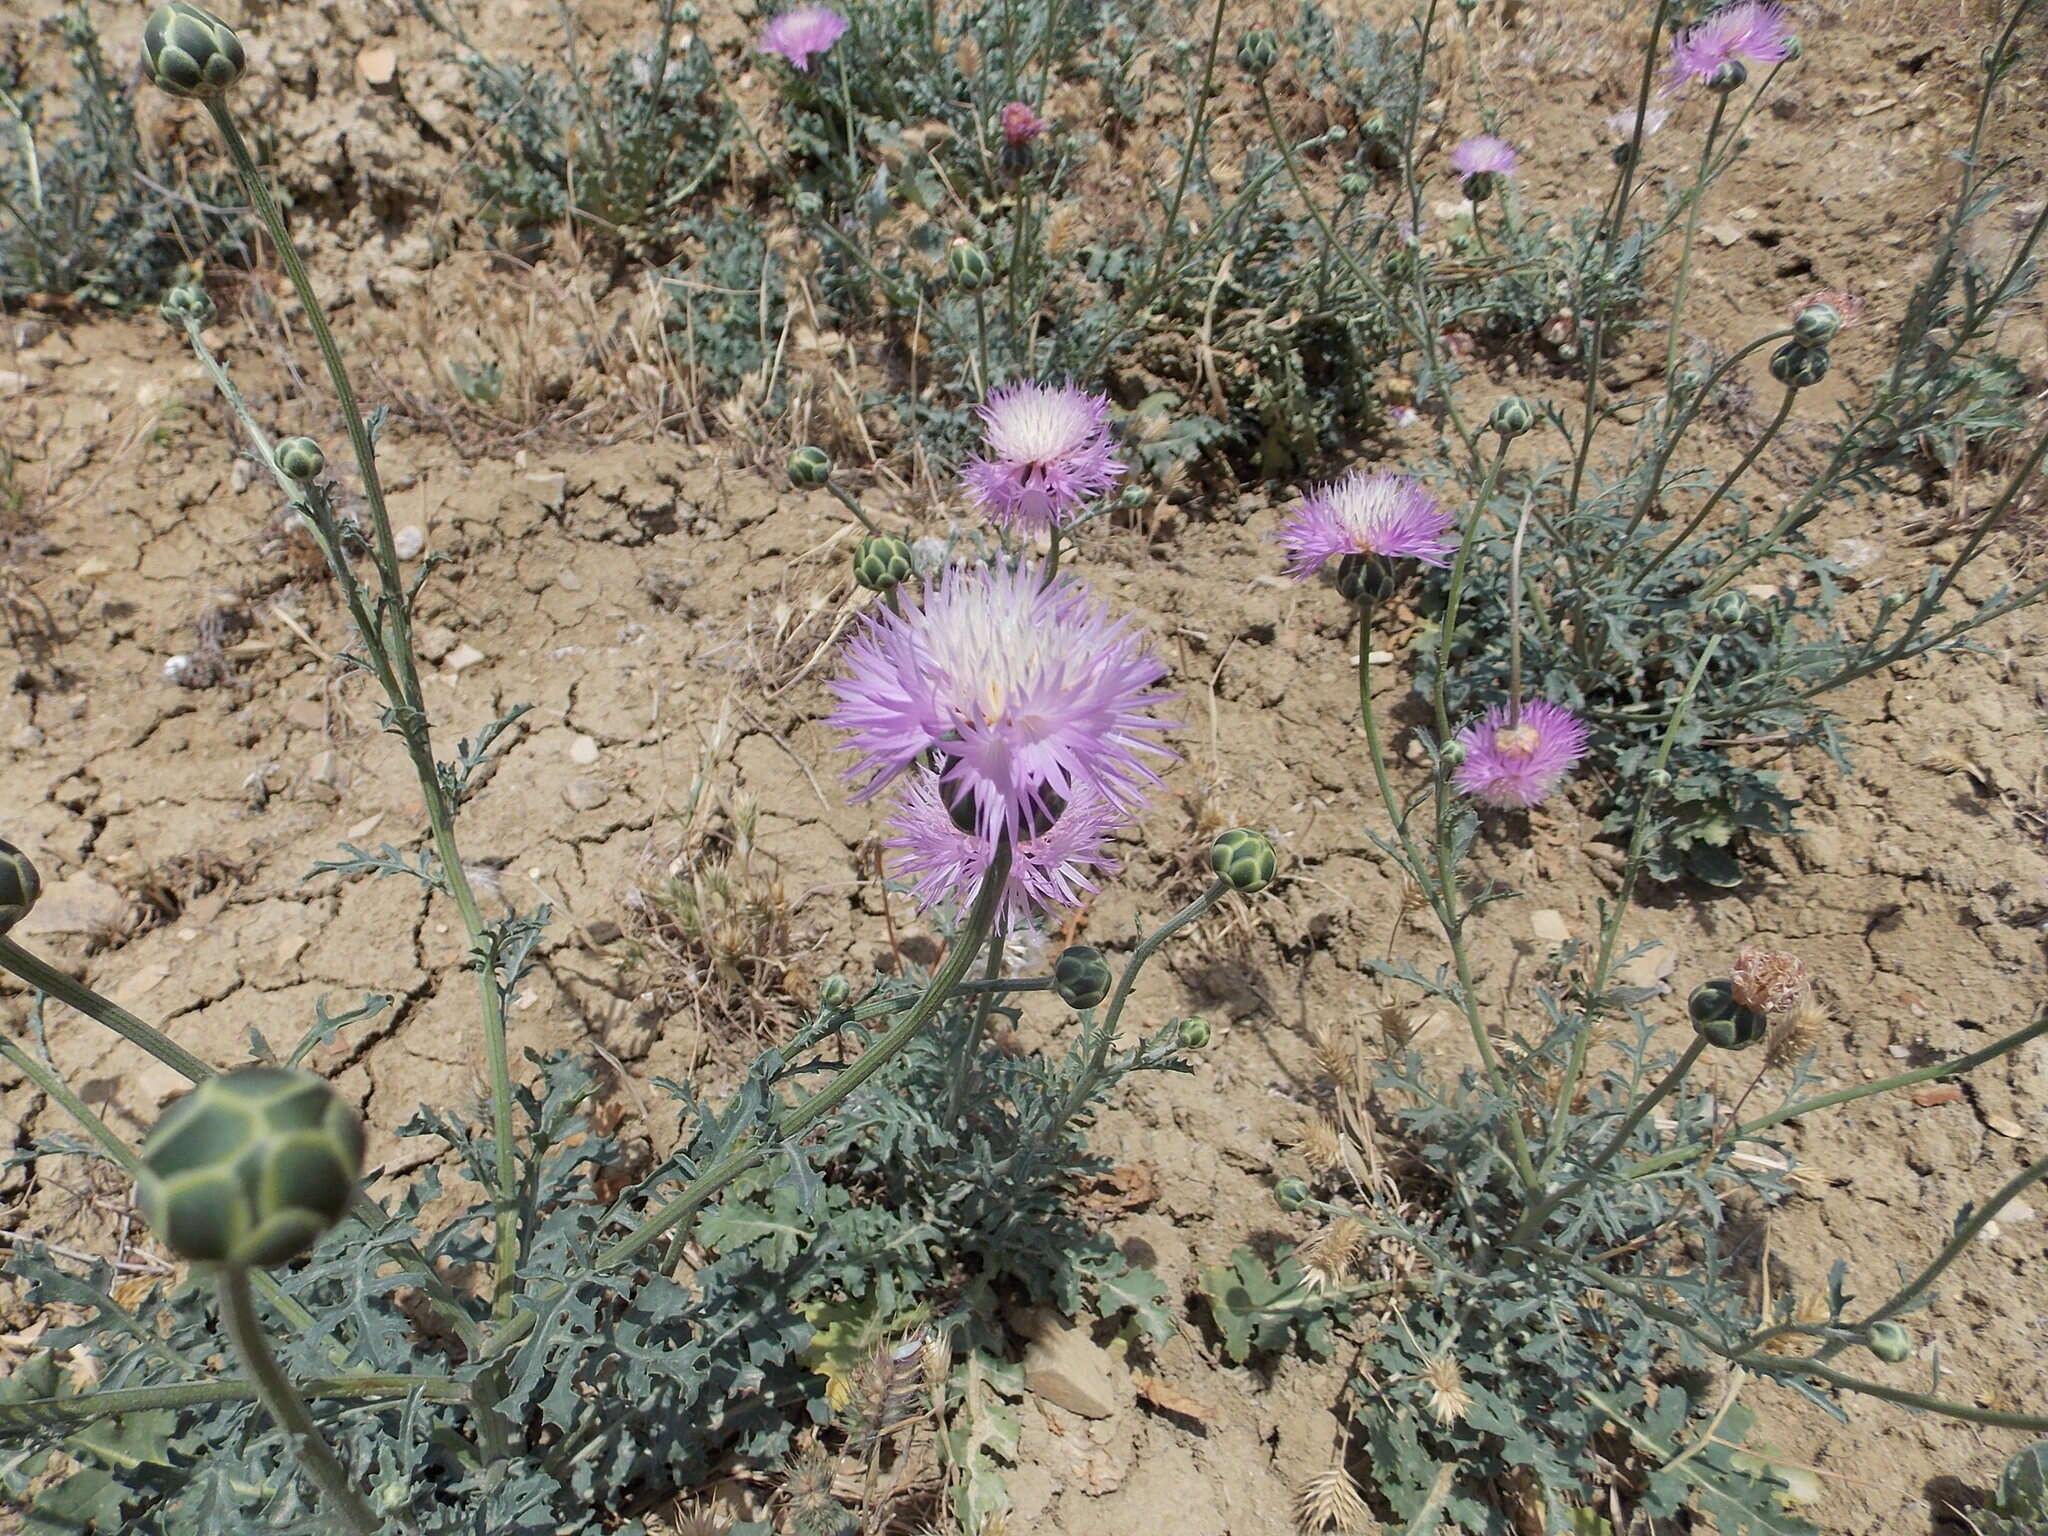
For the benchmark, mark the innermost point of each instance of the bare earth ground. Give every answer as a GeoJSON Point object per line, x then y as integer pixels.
{"type": "Point", "coordinates": [1918, 894]}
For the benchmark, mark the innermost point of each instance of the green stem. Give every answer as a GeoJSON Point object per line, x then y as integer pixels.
{"type": "Point", "coordinates": [1965, 1233]}
{"type": "Point", "coordinates": [1699, 518]}
{"type": "Point", "coordinates": [1928, 1074]}
{"type": "Point", "coordinates": [281, 1399]}
{"type": "Point", "coordinates": [970, 1042]}
{"type": "Point", "coordinates": [985, 380]}
{"type": "Point", "coordinates": [50, 981]}
{"type": "Point", "coordinates": [1948, 1408]}
{"type": "Point", "coordinates": [852, 504]}
{"type": "Point", "coordinates": [410, 710]}
{"type": "Point", "coordinates": [84, 1407]}
{"type": "Point", "coordinates": [1697, 201]}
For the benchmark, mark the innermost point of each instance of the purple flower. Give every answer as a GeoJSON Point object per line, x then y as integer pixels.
{"type": "Point", "coordinates": [1484, 155]}
{"type": "Point", "coordinates": [1391, 516]}
{"type": "Point", "coordinates": [1750, 31]}
{"type": "Point", "coordinates": [1048, 451]}
{"type": "Point", "coordinates": [1026, 695]}
{"type": "Point", "coordinates": [1020, 124]}
{"type": "Point", "coordinates": [799, 34]}
{"type": "Point", "coordinates": [1515, 766]}
{"type": "Point", "coordinates": [1059, 868]}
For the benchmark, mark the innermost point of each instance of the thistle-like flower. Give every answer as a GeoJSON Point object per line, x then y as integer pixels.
{"type": "Point", "coordinates": [1027, 695]}
{"type": "Point", "coordinates": [1048, 451]}
{"type": "Point", "coordinates": [1052, 870]}
{"type": "Point", "coordinates": [1390, 516]}
{"type": "Point", "coordinates": [1517, 766]}
{"type": "Point", "coordinates": [802, 34]}
{"type": "Point", "coordinates": [1484, 155]}
{"type": "Point", "coordinates": [1449, 1402]}
{"type": "Point", "coordinates": [1768, 980]}
{"type": "Point", "coordinates": [1020, 124]}
{"type": "Point", "coordinates": [1748, 32]}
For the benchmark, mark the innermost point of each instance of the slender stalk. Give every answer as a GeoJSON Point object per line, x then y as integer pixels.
{"type": "Point", "coordinates": [983, 378]}
{"type": "Point", "coordinates": [281, 1399]}
{"type": "Point", "coordinates": [1532, 1222]}
{"type": "Point", "coordinates": [84, 1407]}
{"type": "Point", "coordinates": [1697, 201]}
{"type": "Point", "coordinates": [409, 709]}
{"type": "Point", "coordinates": [50, 981]}
{"type": "Point", "coordinates": [852, 504]}
{"type": "Point", "coordinates": [1699, 518]}
{"type": "Point", "coordinates": [970, 1042]}
{"type": "Point", "coordinates": [1515, 616]}
{"type": "Point", "coordinates": [1928, 1074]}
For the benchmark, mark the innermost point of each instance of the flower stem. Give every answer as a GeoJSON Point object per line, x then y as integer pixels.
{"type": "Point", "coordinates": [852, 504]}
{"type": "Point", "coordinates": [286, 1407]}
{"type": "Point", "coordinates": [393, 635]}
{"type": "Point", "coordinates": [970, 1042]}
{"type": "Point", "coordinates": [1692, 224]}
{"type": "Point", "coordinates": [50, 981]}
{"type": "Point", "coordinates": [1699, 518]}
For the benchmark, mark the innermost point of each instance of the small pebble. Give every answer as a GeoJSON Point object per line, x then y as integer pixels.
{"type": "Point", "coordinates": [463, 657]}
{"type": "Point", "coordinates": [28, 737]}
{"type": "Point", "coordinates": [409, 541]}
{"type": "Point", "coordinates": [435, 643]}
{"type": "Point", "coordinates": [583, 751]}
{"type": "Point", "coordinates": [585, 794]}
{"type": "Point", "coordinates": [569, 581]}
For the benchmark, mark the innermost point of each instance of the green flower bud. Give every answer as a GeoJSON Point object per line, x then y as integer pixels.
{"type": "Point", "coordinates": [1731, 76]}
{"type": "Point", "coordinates": [1729, 612]}
{"type": "Point", "coordinates": [1799, 367]}
{"type": "Point", "coordinates": [1194, 1033]}
{"type": "Point", "coordinates": [1721, 1021]}
{"type": "Point", "coordinates": [809, 467]}
{"type": "Point", "coordinates": [1890, 1342]}
{"type": "Point", "coordinates": [20, 885]}
{"type": "Point", "coordinates": [187, 300]}
{"type": "Point", "coordinates": [1258, 51]}
{"type": "Point", "coordinates": [969, 266]}
{"type": "Point", "coordinates": [300, 459]}
{"type": "Point", "coordinates": [1244, 859]}
{"type": "Point", "coordinates": [1081, 976]}
{"type": "Point", "coordinates": [1453, 754]}
{"type": "Point", "coordinates": [1660, 778]}
{"type": "Point", "coordinates": [250, 1167]}
{"type": "Point", "coordinates": [1480, 185]}
{"type": "Point", "coordinates": [1795, 48]}
{"type": "Point", "coordinates": [881, 563]}
{"type": "Point", "coordinates": [1817, 324]}
{"type": "Point", "coordinates": [190, 52]}
{"type": "Point", "coordinates": [834, 991]}
{"type": "Point", "coordinates": [1512, 417]}
{"type": "Point", "coordinates": [2023, 1485]}
{"type": "Point", "coordinates": [1132, 497]}
{"type": "Point", "coordinates": [1351, 184]}
{"type": "Point", "coordinates": [1365, 579]}
{"type": "Point", "coordinates": [1688, 382]}
{"type": "Point", "coordinates": [1291, 1194]}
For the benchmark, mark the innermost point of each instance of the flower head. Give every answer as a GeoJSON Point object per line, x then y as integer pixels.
{"type": "Point", "coordinates": [1391, 516]}
{"type": "Point", "coordinates": [1449, 1402]}
{"type": "Point", "coordinates": [1768, 980]}
{"type": "Point", "coordinates": [1026, 695]}
{"type": "Point", "coordinates": [1056, 870]}
{"type": "Point", "coordinates": [1518, 765]}
{"type": "Point", "coordinates": [1484, 155]}
{"type": "Point", "coordinates": [1747, 32]}
{"type": "Point", "coordinates": [1048, 450]}
{"type": "Point", "coordinates": [1020, 124]}
{"type": "Point", "coordinates": [800, 34]}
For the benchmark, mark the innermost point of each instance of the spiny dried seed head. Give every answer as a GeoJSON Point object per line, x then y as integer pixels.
{"type": "Point", "coordinates": [1334, 1057]}
{"type": "Point", "coordinates": [1768, 980]}
{"type": "Point", "coordinates": [1321, 1146]}
{"type": "Point", "coordinates": [1449, 1402]}
{"type": "Point", "coordinates": [1328, 1255]}
{"type": "Point", "coordinates": [1796, 1036]}
{"type": "Point", "coordinates": [1397, 1025]}
{"type": "Point", "coordinates": [1329, 1502]}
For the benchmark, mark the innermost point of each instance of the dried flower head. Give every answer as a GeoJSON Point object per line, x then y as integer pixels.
{"type": "Point", "coordinates": [1020, 124]}
{"type": "Point", "coordinates": [1391, 516]}
{"type": "Point", "coordinates": [1334, 1056]}
{"type": "Point", "coordinates": [1484, 155]}
{"type": "Point", "coordinates": [1748, 32]}
{"type": "Point", "coordinates": [1330, 1502]}
{"type": "Point", "coordinates": [1449, 1402]}
{"type": "Point", "coordinates": [1768, 980]}
{"type": "Point", "coordinates": [801, 34]}
{"type": "Point", "coordinates": [1796, 1036]}
{"type": "Point", "coordinates": [1328, 1254]}
{"type": "Point", "coordinates": [1048, 451]}
{"type": "Point", "coordinates": [1320, 1144]}
{"type": "Point", "coordinates": [1518, 765]}
{"type": "Point", "coordinates": [1397, 1025]}
{"type": "Point", "coordinates": [1028, 694]}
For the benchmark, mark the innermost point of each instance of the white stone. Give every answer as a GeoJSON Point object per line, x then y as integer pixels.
{"type": "Point", "coordinates": [409, 541]}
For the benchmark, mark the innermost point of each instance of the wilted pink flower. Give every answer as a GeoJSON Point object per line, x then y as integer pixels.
{"type": "Point", "coordinates": [1027, 695]}
{"type": "Point", "coordinates": [1391, 516]}
{"type": "Point", "coordinates": [1622, 124]}
{"type": "Point", "coordinates": [1515, 766]}
{"type": "Point", "coordinates": [799, 35]}
{"type": "Point", "coordinates": [1058, 868]}
{"type": "Point", "coordinates": [1484, 155]}
{"type": "Point", "coordinates": [1020, 124]}
{"type": "Point", "coordinates": [1048, 452]}
{"type": "Point", "coordinates": [1846, 305]}
{"type": "Point", "coordinates": [1748, 32]}
{"type": "Point", "coordinates": [1768, 980]}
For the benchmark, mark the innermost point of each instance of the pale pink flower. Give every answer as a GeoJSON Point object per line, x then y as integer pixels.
{"type": "Point", "coordinates": [1048, 452]}
{"type": "Point", "coordinates": [1516, 766]}
{"type": "Point", "coordinates": [1748, 32]}
{"type": "Point", "coordinates": [1391, 516]}
{"type": "Point", "coordinates": [801, 34]}
{"type": "Point", "coordinates": [1484, 155]}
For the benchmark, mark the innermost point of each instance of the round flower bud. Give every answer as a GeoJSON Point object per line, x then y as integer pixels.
{"type": "Point", "coordinates": [2023, 1485]}
{"type": "Point", "coordinates": [1660, 778]}
{"type": "Point", "coordinates": [809, 467]}
{"type": "Point", "coordinates": [1512, 417]}
{"type": "Point", "coordinates": [300, 459]}
{"type": "Point", "coordinates": [1194, 1033]}
{"type": "Point", "coordinates": [186, 301]}
{"type": "Point", "coordinates": [1623, 154]}
{"type": "Point", "coordinates": [1795, 48]}
{"type": "Point", "coordinates": [1799, 367]}
{"type": "Point", "coordinates": [969, 266]}
{"type": "Point", "coordinates": [1688, 382]}
{"type": "Point", "coordinates": [881, 563]}
{"type": "Point", "coordinates": [1365, 578]}
{"type": "Point", "coordinates": [1480, 185]}
{"type": "Point", "coordinates": [1731, 76]}
{"type": "Point", "coordinates": [1081, 976]}
{"type": "Point", "coordinates": [1817, 324]}
{"type": "Point", "coordinates": [834, 991]}
{"type": "Point", "coordinates": [1258, 51]}
{"type": "Point", "coordinates": [1133, 497]}
{"type": "Point", "coordinates": [1721, 1021]}
{"type": "Point", "coordinates": [190, 52]}
{"type": "Point", "coordinates": [1890, 1342]}
{"type": "Point", "coordinates": [250, 1167]}
{"type": "Point", "coordinates": [1453, 754]}
{"type": "Point", "coordinates": [20, 885]}
{"type": "Point", "coordinates": [1291, 1194]}
{"type": "Point", "coordinates": [1243, 859]}
{"type": "Point", "coordinates": [1729, 611]}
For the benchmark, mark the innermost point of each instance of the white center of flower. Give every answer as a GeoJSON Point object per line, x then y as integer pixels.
{"type": "Point", "coordinates": [991, 651]}
{"type": "Point", "coordinates": [1038, 426]}
{"type": "Point", "coordinates": [1365, 507]}
{"type": "Point", "coordinates": [1517, 740]}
